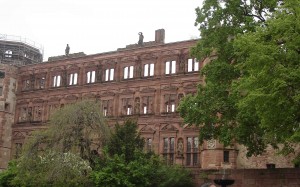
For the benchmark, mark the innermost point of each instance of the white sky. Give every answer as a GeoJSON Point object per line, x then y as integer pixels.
{"type": "Point", "coordinates": [96, 26]}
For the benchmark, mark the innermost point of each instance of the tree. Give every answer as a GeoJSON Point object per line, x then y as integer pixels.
{"type": "Point", "coordinates": [125, 140]}
{"type": "Point", "coordinates": [254, 77]}
{"type": "Point", "coordinates": [65, 152]}
{"type": "Point", "coordinates": [125, 164]}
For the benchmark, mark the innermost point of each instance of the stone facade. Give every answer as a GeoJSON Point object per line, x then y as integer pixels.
{"type": "Point", "coordinates": [144, 82]}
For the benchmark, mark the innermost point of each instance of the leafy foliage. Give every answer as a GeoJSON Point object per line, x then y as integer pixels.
{"type": "Point", "coordinates": [7, 176]}
{"type": "Point", "coordinates": [251, 91]}
{"type": "Point", "coordinates": [64, 153]}
{"type": "Point", "coordinates": [125, 141]}
{"type": "Point", "coordinates": [126, 165]}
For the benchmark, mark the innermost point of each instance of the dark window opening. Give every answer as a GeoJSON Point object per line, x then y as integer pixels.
{"type": "Point", "coordinates": [226, 156]}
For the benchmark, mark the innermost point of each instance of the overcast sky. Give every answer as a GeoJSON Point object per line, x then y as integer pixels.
{"type": "Point", "coordinates": [96, 26]}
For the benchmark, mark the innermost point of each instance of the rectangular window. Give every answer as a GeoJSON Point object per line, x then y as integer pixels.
{"type": "Point", "coordinates": [168, 150]}
{"type": "Point", "coordinates": [41, 83]}
{"type": "Point", "coordinates": [192, 151]}
{"type": "Point", "coordinates": [170, 104]}
{"type": "Point", "coordinates": [128, 72]}
{"type": "Point", "coordinates": [226, 156]}
{"type": "Point", "coordinates": [2, 74]}
{"type": "Point", "coordinates": [56, 81]}
{"type": "Point", "coordinates": [170, 67]}
{"type": "Point", "coordinates": [129, 110]}
{"type": "Point", "coordinates": [107, 107]}
{"type": "Point", "coordinates": [147, 104]}
{"type": "Point", "coordinates": [26, 85]}
{"type": "Point", "coordinates": [127, 104]}
{"type": "Point", "coordinates": [109, 74]}
{"type": "Point", "coordinates": [193, 65]}
{"type": "Point", "coordinates": [104, 111]}
{"type": "Point", "coordinates": [73, 79]}
{"type": "Point", "coordinates": [1, 90]}
{"type": "Point", "coordinates": [18, 151]}
{"type": "Point", "coordinates": [149, 144]}
{"type": "Point", "coordinates": [148, 70]}
{"type": "Point", "coordinates": [90, 77]}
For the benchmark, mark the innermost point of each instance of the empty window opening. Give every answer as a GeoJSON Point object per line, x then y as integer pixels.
{"type": "Point", "coordinates": [148, 70]}
{"type": "Point", "coordinates": [107, 107]}
{"type": "Point", "coordinates": [73, 79]}
{"type": "Point", "coordinates": [41, 83]}
{"type": "Point", "coordinates": [6, 107]}
{"type": "Point", "coordinates": [193, 65]}
{"type": "Point", "coordinates": [226, 156]}
{"type": "Point", "coordinates": [129, 110]}
{"type": "Point", "coordinates": [170, 67]}
{"type": "Point", "coordinates": [149, 144]}
{"type": "Point", "coordinates": [56, 81]}
{"type": "Point", "coordinates": [170, 103]}
{"type": "Point", "coordinates": [90, 77]}
{"type": "Point", "coordinates": [109, 74]}
{"type": "Point", "coordinates": [104, 111]}
{"type": "Point", "coordinates": [2, 74]}
{"type": "Point", "coordinates": [128, 72]}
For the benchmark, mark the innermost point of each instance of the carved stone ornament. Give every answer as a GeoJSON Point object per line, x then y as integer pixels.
{"type": "Point", "coordinates": [211, 144]}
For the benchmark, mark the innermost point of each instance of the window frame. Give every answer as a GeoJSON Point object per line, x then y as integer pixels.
{"type": "Point", "coordinates": [170, 67]}
{"type": "Point", "coordinates": [193, 65]}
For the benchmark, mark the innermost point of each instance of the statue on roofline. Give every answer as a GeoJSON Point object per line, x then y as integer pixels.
{"type": "Point", "coordinates": [67, 50]}
{"type": "Point", "coordinates": [141, 38]}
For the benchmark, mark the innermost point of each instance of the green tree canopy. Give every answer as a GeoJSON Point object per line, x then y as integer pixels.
{"type": "Point", "coordinates": [64, 153]}
{"type": "Point", "coordinates": [251, 91]}
{"type": "Point", "coordinates": [125, 164]}
{"type": "Point", "coordinates": [125, 140]}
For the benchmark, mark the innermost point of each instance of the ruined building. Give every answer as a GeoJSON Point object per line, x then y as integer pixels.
{"type": "Point", "coordinates": [144, 81]}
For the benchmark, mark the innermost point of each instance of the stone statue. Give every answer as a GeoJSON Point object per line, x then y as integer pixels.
{"type": "Point", "coordinates": [180, 147]}
{"type": "Point", "coordinates": [67, 50]}
{"type": "Point", "coordinates": [141, 38]}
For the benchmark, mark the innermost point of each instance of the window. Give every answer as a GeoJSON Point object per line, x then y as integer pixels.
{"type": "Point", "coordinates": [226, 156]}
{"type": "Point", "coordinates": [170, 67]}
{"type": "Point", "coordinates": [193, 65]}
{"type": "Point", "coordinates": [148, 70]}
{"type": "Point", "coordinates": [26, 84]}
{"type": "Point", "coordinates": [56, 81]}
{"type": "Point", "coordinates": [41, 83]}
{"type": "Point", "coordinates": [90, 76]}
{"type": "Point", "coordinates": [37, 113]}
{"type": "Point", "coordinates": [1, 90]}
{"type": "Point", "coordinates": [170, 103]}
{"type": "Point", "coordinates": [6, 107]}
{"type": "Point", "coordinates": [192, 151]}
{"type": "Point", "coordinates": [128, 72]}
{"type": "Point", "coordinates": [25, 114]}
{"type": "Point", "coordinates": [169, 149]}
{"type": "Point", "coordinates": [73, 78]}
{"type": "Point", "coordinates": [2, 74]}
{"type": "Point", "coordinates": [107, 107]}
{"type": "Point", "coordinates": [8, 54]}
{"type": "Point", "coordinates": [109, 74]}
{"type": "Point", "coordinates": [148, 144]}
{"type": "Point", "coordinates": [18, 149]}
{"type": "Point", "coordinates": [127, 106]}
{"type": "Point", "coordinates": [147, 104]}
